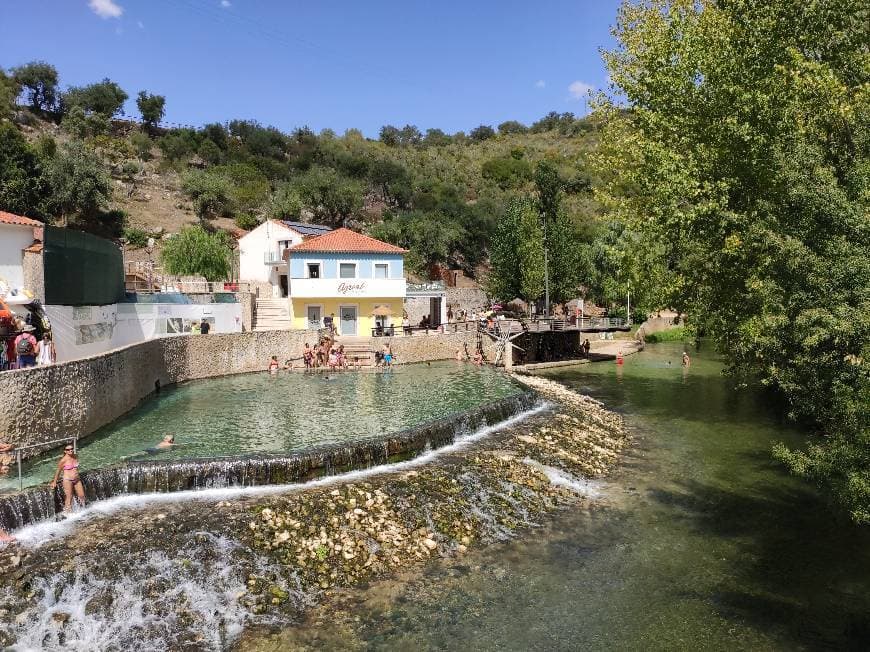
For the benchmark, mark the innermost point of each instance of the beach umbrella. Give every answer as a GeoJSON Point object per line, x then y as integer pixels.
{"type": "Point", "coordinates": [382, 311]}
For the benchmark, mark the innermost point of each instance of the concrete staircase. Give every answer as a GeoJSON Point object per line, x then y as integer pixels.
{"type": "Point", "coordinates": [359, 347]}
{"type": "Point", "coordinates": [271, 315]}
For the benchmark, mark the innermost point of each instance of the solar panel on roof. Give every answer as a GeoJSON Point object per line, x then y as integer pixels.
{"type": "Point", "coordinates": [307, 229]}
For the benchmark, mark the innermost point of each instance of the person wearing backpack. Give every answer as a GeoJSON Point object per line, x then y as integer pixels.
{"type": "Point", "coordinates": [25, 347]}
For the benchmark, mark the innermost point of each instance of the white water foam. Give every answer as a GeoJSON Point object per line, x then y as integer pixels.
{"type": "Point", "coordinates": [38, 534]}
{"type": "Point", "coordinates": [557, 477]}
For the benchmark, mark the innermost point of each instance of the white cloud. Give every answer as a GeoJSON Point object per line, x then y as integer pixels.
{"type": "Point", "coordinates": [226, 3]}
{"type": "Point", "coordinates": [106, 8]}
{"type": "Point", "coordinates": [540, 83]}
{"type": "Point", "coordinates": [579, 89]}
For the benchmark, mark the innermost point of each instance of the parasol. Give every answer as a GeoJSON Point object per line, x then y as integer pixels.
{"type": "Point", "coordinates": [382, 311]}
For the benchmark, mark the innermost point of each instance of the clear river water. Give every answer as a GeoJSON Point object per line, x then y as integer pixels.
{"type": "Point", "coordinates": [699, 541]}
{"type": "Point", "coordinates": [283, 412]}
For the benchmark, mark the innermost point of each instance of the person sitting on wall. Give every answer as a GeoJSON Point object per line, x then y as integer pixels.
{"type": "Point", "coordinates": [204, 327]}
{"type": "Point", "coordinates": [329, 322]}
{"type": "Point", "coordinates": [406, 325]}
{"type": "Point", "coordinates": [25, 347]}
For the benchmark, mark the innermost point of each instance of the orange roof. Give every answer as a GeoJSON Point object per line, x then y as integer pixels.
{"type": "Point", "coordinates": [346, 241]}
{"type": "Point", "coordinates": [9, 218]}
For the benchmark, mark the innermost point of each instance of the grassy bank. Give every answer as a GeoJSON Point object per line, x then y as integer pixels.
{"type": "Point", "coordinates": [672, 335]}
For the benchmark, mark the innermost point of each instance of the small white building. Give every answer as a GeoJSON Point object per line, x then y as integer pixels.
{"type": "Point", "coordinates": [17, 233]}
{"type": "Point", "coordinates": [262, 257]}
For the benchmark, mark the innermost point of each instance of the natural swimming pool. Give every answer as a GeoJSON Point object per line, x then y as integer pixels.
{"type": "Point", "coordinates": [287, 411]}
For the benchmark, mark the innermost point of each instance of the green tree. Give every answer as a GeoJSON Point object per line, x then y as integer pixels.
{"type": "Point", "coordinates": [151, 107]}
{"type": "Point", "coordinates": [431, 238]}
{"type": "Point", "coordinates": [436, 138]}
{"type": "Point", "coordinates": [178, 144]}
{"type": "Point", "coordinates": [506, 172]}
{"type": "Point", "coordinates": [745, 150]}
{"type": "Point", "coordinates": [105, 98]}
{"type": "Point", "coordinates": [83, 125]}
{"type": "Point", "coordinates": [78, 181]}
{"type": "Point", "coordinates": [9, 92]}
{"type": "Point", "coordinates": [284, 203]}
{"type": "Point", "coordinates": [389, 135]}
{"type": "Point", "coordinates": [141, 145]}
{"type": "Point", "coordinates": [512, 127]}
{"type": "Point", "coordinates": [196, 252]}
{"type": "Point", "coordinates": [23, 189]}
{"type": "Point", "coordinates": [503, 281]}
{"type": "Point", "coordinates": [481, 133]}
{"type": "Point", "coordinates": [331, 197]}
{"type": "Point", "coordinates": [211, 194]}
{"type": "Point", "coordinates": [530, 253]}
{"type": "Point", "coordinates": [38, 79]}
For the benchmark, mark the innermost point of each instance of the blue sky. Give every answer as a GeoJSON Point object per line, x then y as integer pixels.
{"type": "Point", "coordinates": [324, 63]}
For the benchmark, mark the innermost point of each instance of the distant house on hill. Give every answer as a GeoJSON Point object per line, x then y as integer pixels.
{"type": "Point", "coordinates": [262, 253]}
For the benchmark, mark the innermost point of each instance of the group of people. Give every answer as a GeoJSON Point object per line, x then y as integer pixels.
{"type": "Point", "coordinates": [28, 352]}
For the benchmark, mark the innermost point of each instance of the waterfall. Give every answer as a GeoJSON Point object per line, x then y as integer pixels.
{"type": "Point", "coordinates": [138, 477]}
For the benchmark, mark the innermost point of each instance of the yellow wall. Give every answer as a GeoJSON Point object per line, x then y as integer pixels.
{"type": "Point", "coordinates": [365, 306]}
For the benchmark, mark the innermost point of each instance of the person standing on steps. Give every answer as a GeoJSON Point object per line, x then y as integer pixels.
{"type": "Point", "coordinates": [46, 354]}
{"type": "Point", "coordinates": [72, 483]}
{"type": "Point", "coordinates": [204, 327]}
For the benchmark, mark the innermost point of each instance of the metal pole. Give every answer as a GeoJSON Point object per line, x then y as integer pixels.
{"type": "Point", "coordinates": [18, 459]}
{"type": "Point", "coordinates": [546, 284]}
{"type": "Point", "coordinates": [628, 308]}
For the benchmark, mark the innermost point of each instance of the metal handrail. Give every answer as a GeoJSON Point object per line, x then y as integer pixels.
{"type": "Point", "coordinates": [75, 442]}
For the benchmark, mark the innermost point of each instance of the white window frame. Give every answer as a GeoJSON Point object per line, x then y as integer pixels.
{"type": "Point", "coordinates": [308, 262]}
{"type": "Point", "coordinates": [338, 265]}
{"type": "Point", "coordinates": [385, 264]}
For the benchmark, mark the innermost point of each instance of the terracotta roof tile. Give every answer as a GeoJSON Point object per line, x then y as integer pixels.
{"type": "Point", "coordinates": [9, 218]}
{"type": "Point", "coordinates": [346, 241]}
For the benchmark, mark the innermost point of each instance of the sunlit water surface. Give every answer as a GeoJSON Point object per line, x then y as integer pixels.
{"type": "Point", "coordinates": [287, 411]}
{"type": "Point", "coordinates": [700, 541]}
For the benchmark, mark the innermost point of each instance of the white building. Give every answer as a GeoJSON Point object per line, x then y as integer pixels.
{"type": "Point", "coordinates": [17, 233]}
{"type": "Point", "coordinates": [262, 257]}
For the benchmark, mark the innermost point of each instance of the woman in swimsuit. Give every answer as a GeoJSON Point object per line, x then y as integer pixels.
{"type": "Point", "coordinates": [69, 466]}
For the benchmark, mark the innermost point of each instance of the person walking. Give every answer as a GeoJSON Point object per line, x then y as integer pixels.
{"type": "Point", "coordinates": [204, 327]}
{"type": "Point", "coordinates": [46, 354]}
{"type": "Point", "coordinates": [25, 347]}
{"type": "Point", "coordinates": [72, 483]}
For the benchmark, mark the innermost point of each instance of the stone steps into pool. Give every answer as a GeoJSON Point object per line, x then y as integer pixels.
{"type": "Point", "coordinates": [357, 347]}
{"type": "Point", "coordinates": [271, 315]}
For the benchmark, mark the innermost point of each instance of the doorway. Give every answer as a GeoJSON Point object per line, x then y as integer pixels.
{"type": "Point", "coordinates": [315, 316]}
{"type": "Point", "coordinates": [284, 287]}
{"type": "Point", "coordinates": [348, 320]}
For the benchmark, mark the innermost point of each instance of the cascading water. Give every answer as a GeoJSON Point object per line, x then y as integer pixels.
{"type": "Point", "coordinates": [41, 503]}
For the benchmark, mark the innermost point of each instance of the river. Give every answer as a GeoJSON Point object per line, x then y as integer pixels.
{"type": "Point", "coordinates": [699, 541]}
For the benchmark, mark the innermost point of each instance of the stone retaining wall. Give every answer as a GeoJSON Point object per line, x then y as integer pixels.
{"type": "Point", "coordinates": [435, 346]}
{"type": "Point", "coordinates": [80, 396]}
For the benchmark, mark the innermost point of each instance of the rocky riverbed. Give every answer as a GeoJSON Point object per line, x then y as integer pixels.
{"type": "Point", "coordinates": [234, 572]}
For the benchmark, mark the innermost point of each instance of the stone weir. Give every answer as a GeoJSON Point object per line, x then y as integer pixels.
{"type": "Point", "coordinates": [138, 477]}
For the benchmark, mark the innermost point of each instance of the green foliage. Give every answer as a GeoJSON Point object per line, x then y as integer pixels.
{"type": "Point", "coordinates": [743, 164]}
{"type": "Point", "coordinates": [23, 190]}
{"type": "Point", "coordinates": [507, 172]}
{"type": "Point", "coordinates": [78, 181]}
{"type": "Point", "coordinates": [9, 92]}
{"type": "Point", "coordinates": [284, 204]}
{"type": "Point", "coordinates": [394, 137]}
{"type": "Point", "coordinates": [246, 185]}
{"type": "Point", "coordinates": [481, 133]}
{"type": "Point", "coordinates": [151, 107]}
{"type": "Point", "coordinates": [678, 334]}
{"type": "Point", "coordinates": [436, 138]}
{"type": "Point", "coordinates": [81, 125]}
{"type": "Point", "coordinates": [141, 144]}
{"type": "Point", "coordinates": [38, 80]}
{"type": "Point", "coordinates": [331, 197]}
{"type": "Point", "coordinates": [105, 98]}
{"type": "Point", "coordinates": [246, 221]}
{"type": "Point", "coordinates": [209, 152]}
{"type": "Point", "coordinates": [211, 193]}
{"type": "Point", "coordinates": [512, 127]}
{"type": "Point", "coordinates": [178, 144]}
{"type": "Point", "coordinates": [136, 238]}
{"type": "Point", "coordinates": [431, 238]}
{"type": "Point", "coordinates": [196, 252]}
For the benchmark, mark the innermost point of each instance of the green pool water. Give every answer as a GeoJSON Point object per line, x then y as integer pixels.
{"type": "Point", "coordinates": [287, 411]}
{"type": "Point", "coordinates": [700, 541]}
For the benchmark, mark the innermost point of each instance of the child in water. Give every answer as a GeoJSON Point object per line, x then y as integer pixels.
{"type": "Point", "coordinates": [273, 364]}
